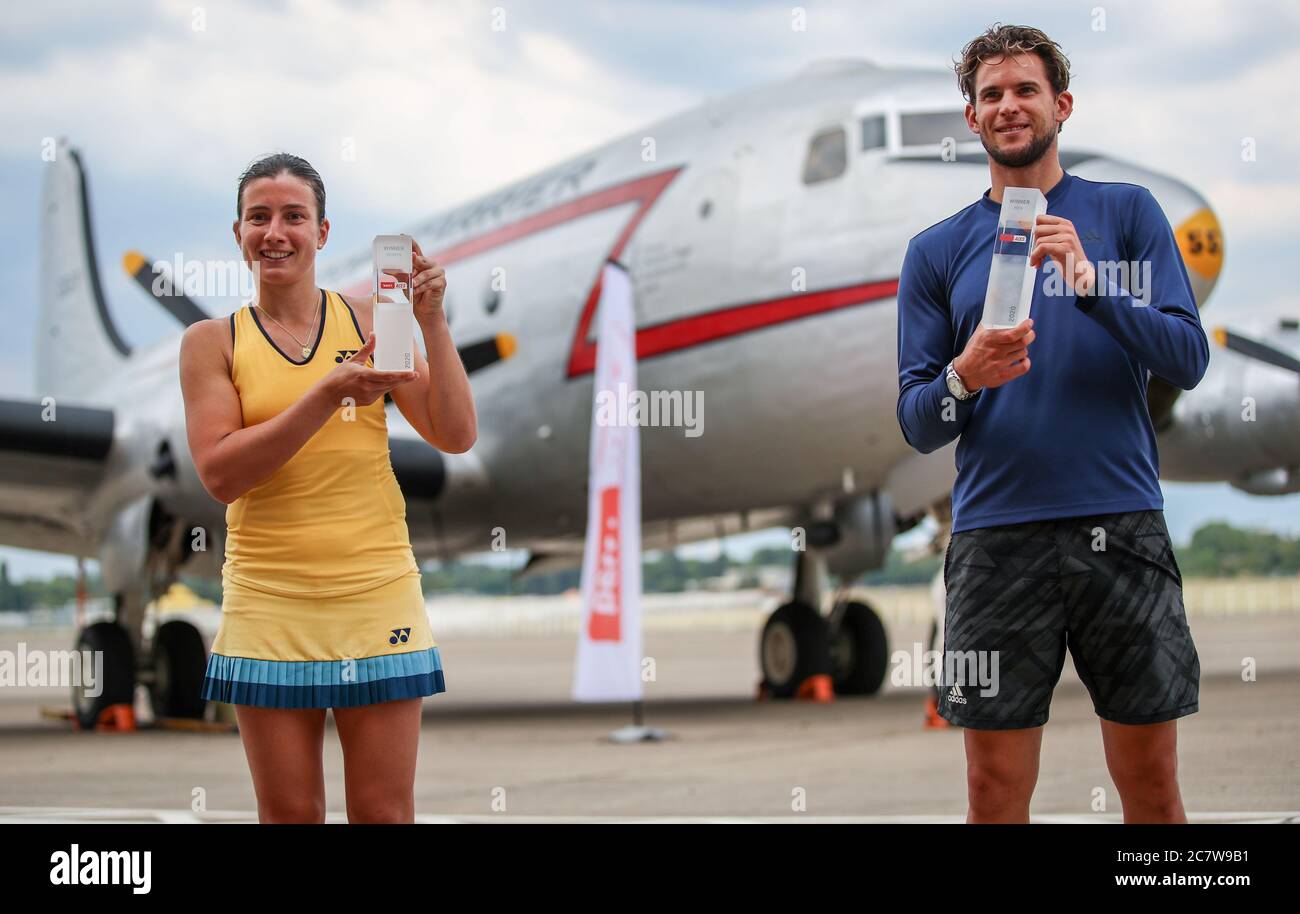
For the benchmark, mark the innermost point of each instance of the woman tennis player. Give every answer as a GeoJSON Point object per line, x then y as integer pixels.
{"type": "Point", "coordinates": [321, 599]}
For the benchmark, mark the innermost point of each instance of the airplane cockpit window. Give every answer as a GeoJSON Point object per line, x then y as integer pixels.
{"type": "Point", "coordinates": [873, 132]}
{"type": "Point", "coordinates": [827, 156]}
{"type": "Point", "coordinates": [930, 128]}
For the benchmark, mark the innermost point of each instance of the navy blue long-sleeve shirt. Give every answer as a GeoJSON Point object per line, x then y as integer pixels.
{"type": "Point", "coordinates": [1073, 436]}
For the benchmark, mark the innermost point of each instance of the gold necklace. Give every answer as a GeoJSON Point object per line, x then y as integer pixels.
{"type": "Point", "coordinates": [306, 350]}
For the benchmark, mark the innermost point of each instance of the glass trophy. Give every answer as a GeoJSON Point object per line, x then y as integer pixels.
{"type": "Point", "coordinates": [394, 319]}
{"type": "Point", "coordinates": [1011, 278]}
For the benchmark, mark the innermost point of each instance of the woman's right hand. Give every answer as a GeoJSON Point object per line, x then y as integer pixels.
{"type": "Point", "coordinates": [354, 378]}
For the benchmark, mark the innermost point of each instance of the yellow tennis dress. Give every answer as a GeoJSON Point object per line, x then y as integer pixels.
{"type": "Point", "coordinates": [321, 599]}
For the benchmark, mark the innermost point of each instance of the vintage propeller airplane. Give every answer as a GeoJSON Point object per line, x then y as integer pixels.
{"type": "Point", "coordinates": [763, 232]}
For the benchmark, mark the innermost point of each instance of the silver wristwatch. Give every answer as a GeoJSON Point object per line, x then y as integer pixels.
{"type": "Point", "coordinates": [955, 385]}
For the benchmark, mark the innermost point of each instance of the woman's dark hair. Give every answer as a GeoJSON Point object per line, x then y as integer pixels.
{"type": "Point", "coordinates": [276, 164]}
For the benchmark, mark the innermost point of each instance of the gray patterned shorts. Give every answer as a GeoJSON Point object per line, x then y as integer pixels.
{"type": "Point", "coordinates": [1105, 586]}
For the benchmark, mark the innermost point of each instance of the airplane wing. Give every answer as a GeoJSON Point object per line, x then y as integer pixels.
{"type": "Point", "coordinates": [550, 554]}
{"type": "Point", "coordinates": [52, 457]}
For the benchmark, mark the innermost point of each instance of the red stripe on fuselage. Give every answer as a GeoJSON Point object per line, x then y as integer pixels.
{"type": "Point", "coordinates": [643, 190]}
{"type": "Point", "coordinates": [673, 335]}
{"type": "Point", "coordinates": [734, 320]}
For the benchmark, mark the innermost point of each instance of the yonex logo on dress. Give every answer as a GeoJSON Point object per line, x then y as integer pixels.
{"type": "Point", "coordinates": [400, 634]}
{"type": "Point", "coordinates": [344, 354]}
{"type": "Point", "coordinates": [955, 696]}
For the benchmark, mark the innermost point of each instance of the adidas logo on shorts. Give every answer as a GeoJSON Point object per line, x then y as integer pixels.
{"type": "Point", "coordinates": [955, 697]}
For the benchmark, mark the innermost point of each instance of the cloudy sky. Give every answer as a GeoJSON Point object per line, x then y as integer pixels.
{"type": "Point", "coordinates": [168, 101]}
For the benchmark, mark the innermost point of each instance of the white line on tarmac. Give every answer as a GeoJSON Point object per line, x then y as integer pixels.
{"type": "Point", "coordinates": [11, 815]}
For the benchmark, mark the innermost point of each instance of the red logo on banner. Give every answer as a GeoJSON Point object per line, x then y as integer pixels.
{"type": "Point", "coordinates": [388, 284]}
{"type": "Point", "coordinates": [606, 589]}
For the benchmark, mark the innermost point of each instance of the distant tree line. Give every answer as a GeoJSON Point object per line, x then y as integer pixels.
{"type": "Point", "coordinates": [1221, 550]}
{"type": "Point", "coordinates": [60, 590]}
{"type": "Point", "coordinates": [1215, 550]}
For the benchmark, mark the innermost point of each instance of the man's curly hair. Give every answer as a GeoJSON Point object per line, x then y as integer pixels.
{"type": "Point", "coordinates": [1002, 40]}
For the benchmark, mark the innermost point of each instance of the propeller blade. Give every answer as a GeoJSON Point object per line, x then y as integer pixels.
{"type": "Point", "coordinates": [179, 305]}
{"type": "Point", "coordinates": [1251, 348]}
{"type": "Point", "coordinates": [486, 352]}
{"type": "Point", "coordinates": [477, 356]}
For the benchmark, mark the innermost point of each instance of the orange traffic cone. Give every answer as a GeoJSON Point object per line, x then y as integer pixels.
{"type": "Point", "coordinates": [116, 719]}
{"type": "Point", "coordinates": [817, 688]}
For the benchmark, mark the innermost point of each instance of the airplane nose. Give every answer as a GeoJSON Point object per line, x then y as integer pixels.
{"type": "Point", "coordinates": [1196, 227]}
{"type": "Point", "coordinates": [1200, 240]}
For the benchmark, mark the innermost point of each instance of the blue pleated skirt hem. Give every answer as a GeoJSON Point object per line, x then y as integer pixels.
{"type": "Point", "coordinates": [323, 683]}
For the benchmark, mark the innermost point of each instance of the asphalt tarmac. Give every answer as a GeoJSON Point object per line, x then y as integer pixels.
{"type": "Point", "coordinates": [505, 742]}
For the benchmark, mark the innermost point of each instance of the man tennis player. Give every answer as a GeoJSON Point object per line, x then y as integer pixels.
{"type": "Point", "coordinates": [1059, 538]}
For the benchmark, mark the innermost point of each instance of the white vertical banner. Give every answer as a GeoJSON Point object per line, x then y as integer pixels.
{"type": "Point", "coordinates": [608, 664]}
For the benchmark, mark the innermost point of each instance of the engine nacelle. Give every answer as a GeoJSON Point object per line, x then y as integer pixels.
{"type": "Point", "coordinates": [865, 529]}
{"type": "Point", "coordinates": [1279, 481]}
{"type": "Point", "coordinates": [1241, 423]}
{"type": "Point", "coordinates": [146, 543]}
{"type": "Point", "coordinates": [124, 551]}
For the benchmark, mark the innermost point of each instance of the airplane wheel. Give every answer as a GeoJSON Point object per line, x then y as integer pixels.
{"type": "Point", "coordinates": [179, 662]}
{"type": "Point", "coordinates": [792, 648]}
{"type": "Point", "coordinates": [859, 651]}
{"type": "Point", "coordinates": [117, 685]}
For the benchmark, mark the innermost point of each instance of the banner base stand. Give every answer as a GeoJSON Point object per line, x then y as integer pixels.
{"type": "Point", "coordinates": [635, 733]}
